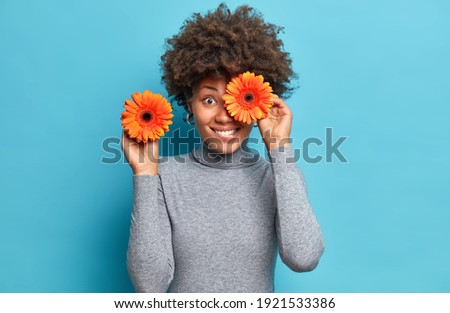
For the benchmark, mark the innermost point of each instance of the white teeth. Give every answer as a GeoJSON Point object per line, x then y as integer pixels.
{"type": "Point", "coordinates": [226, 133]}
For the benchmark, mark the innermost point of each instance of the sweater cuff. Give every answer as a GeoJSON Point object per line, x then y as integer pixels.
{"type": "Point", "coordinates": [143, 186]}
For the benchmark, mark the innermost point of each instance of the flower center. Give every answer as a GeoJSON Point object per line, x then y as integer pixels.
{"type": "Point", "coordinates": [249, 97]}
{"type": "Point", "coordinates": [147, 116]}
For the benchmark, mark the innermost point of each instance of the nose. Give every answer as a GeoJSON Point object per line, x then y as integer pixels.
{"type": "Point", "coordinates": [223, 116]}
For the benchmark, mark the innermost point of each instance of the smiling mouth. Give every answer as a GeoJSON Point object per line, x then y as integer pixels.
{"type": "Point", "coordinates": [227, 133]}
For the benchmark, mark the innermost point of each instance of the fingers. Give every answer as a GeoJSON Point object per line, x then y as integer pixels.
{"type": "Point", "coordinates": [280, 107]}
{"type": "Point", "coordinates": [277, 100]}
{"type": "Point", "coordinates": [126, 139]}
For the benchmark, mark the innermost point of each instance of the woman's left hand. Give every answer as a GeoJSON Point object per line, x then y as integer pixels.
{"type": "Point", "coordinates": [276, 127]}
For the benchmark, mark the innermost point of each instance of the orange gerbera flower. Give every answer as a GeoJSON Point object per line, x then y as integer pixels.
{"type": "Point", "coordinates": [248, 97]}
{"type": "Point", "coordinates": [147, 117]}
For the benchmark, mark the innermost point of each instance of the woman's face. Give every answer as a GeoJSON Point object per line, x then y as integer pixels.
{"type": "Point", "coordinates": [216, 127]}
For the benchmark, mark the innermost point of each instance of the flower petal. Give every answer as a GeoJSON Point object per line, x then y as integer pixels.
{"type": "Point", "coordinates": [132, 104]}
{"type": "Point", "coordinates": [137, 97]}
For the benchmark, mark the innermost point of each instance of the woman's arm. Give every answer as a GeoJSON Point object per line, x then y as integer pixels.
{"type": "Point", "coordinates": [150, 255]}
{"type": "Point", "coordinates": [298, 232]}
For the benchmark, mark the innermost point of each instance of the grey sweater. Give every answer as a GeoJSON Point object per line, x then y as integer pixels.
{"type": "Point", "coordinates": [212, 223]}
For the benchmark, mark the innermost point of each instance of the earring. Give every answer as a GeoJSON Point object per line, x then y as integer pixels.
{"type": "Point", "coordinates": [255, 124]}
{"type": "Point", "coordinates": [188, 118]}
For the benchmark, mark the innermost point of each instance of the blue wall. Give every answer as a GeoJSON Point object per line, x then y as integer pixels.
{"type": "Point", "coordinates": [373, 71]}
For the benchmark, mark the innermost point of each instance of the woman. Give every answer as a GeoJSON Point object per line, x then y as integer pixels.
{"type": "Point", "coordinates": [213, 221]}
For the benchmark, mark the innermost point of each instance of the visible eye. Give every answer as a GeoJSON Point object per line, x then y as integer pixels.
{"type": "Point", "coordinates": [209, 101]}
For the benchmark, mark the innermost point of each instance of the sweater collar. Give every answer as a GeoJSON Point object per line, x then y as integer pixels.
{"type": "Point", "coordinates": [242, 157]}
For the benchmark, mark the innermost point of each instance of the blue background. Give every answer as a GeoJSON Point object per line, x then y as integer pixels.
{"type": "Point", "coordinates": [376, 72]}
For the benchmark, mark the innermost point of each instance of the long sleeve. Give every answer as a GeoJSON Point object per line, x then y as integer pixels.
{"type": "Point", "coordinates": [298, 232]}
{"type": "Point", "coordinates": [150, 255]}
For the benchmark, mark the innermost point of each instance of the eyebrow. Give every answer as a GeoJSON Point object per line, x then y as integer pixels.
{"type": "Point", "coordinates": [209, 87]}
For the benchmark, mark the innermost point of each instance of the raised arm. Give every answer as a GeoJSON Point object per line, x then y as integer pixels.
{"type": "Point", "coordinates": [298, 232]}
{"type": "Point", "coordinates": [150, 255]}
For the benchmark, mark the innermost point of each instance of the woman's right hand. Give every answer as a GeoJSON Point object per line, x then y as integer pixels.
{"type": "Point", "coordinates": [142, 157]}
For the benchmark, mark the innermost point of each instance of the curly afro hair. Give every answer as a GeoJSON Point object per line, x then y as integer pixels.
{"type": "Point", "coordinates": [225, 44]}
